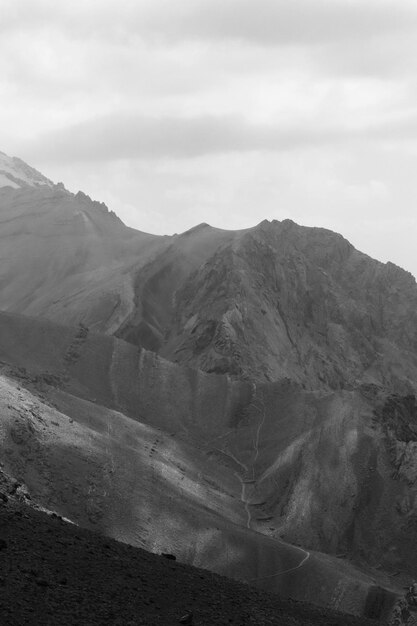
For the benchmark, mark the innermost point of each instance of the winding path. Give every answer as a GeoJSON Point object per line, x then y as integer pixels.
{"type": "Point", "coordinates": [306, 554]}
{"type": "Point", "coordinates": [243, 482]}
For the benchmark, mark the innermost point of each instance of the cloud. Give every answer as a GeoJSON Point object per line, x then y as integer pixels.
{"type": "Point", "coordinates": [129, 136]}
{"type": "Point", "coordinates": [119, 136]}
{"type": "Point", "coordinates": [279, 22]}
{"type": "Point", "coordinates": [264, 22]}
{"type": "Point", "coordinates": [204, 110]}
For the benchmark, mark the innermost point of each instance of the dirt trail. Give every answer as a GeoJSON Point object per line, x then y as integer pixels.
{"type": "Point", "coordinates": [306, 554]}
{"type": "Point", "coordinates": [244, 500]}
{"type": "Point", "coordinates": [258, 405]}
{"type": "Point", "coordinates": [261, 410]}
{"type": "Point", "coordinates": [285, 571]}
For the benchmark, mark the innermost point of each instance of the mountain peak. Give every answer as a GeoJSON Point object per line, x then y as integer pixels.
{"type": "Point", "coordinates": [197, 228]}
{"type": "Point", "coordinates": [17, 174]}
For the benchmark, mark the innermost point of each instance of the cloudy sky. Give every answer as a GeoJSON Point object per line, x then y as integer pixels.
{"type": "Point", "coordinates": [176, 112]}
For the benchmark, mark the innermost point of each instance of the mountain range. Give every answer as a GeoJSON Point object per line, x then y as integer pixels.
{"type": "Point", "coordinates": [243, 400]}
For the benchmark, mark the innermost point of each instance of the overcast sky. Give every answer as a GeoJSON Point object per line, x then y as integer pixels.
{"type": "Point", "coordinates": [176, 112]}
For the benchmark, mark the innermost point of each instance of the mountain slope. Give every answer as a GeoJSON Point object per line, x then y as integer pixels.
{"type": "Point", "coordinates": [66, 257]}
{"type": "Point", "coordinates": [205, 462]}
{"type": "Point", "coordinates": [139, 485]}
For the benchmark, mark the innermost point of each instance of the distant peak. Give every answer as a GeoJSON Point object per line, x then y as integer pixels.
{"type": "Point", "coordinates": [17, 174]}
{"type": "Point", "coordinates": [197, 228]}
{"type": "Point", "coordinates": [269, 226]}
{"type": "Point", "coordinates": [268, 223]}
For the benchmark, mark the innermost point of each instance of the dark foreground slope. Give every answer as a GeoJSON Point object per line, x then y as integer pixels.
{"type": "Point", "coordinates": [52, 572]}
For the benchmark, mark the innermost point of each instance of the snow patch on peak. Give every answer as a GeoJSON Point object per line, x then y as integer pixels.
{"type": "Point", "coordinates": [7, 182]}
{"type": "Point", "coordinates": [16, 173]}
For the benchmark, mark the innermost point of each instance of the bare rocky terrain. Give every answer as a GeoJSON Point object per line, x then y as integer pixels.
{"type": "Point", "coordinates": [243, 400]}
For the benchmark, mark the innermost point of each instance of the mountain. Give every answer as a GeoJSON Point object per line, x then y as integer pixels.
{"type": "Point", "coordinates": [277, 300]}
{"type": "Point", "coordinates": [242, 399]}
